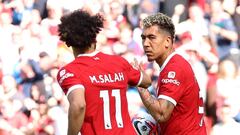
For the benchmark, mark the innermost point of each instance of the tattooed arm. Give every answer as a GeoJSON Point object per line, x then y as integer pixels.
{"type": "Point", "coordinates": [160, 109]}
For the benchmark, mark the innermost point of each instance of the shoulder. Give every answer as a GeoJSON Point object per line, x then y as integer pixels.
{"type": "Point", "coordinates": [178, 62]}
{"type": "Point", "coordinates": [65, 68]}
{"type": "Point", "coordinates": [182, 62]}
{"type": "Point", "coordinates": [177, 66]}
{"type": "Point", "coordinates": [110, 56]}
{"type": "Point", "coordinates": [65, 71]}
{"type": "Point", "coordinates": [114, 58]}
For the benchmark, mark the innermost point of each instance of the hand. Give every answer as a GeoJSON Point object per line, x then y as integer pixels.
{"type": "Point", "coordinates": [146, 79]}
{"type": "Point", "coordinates": [137, 65]}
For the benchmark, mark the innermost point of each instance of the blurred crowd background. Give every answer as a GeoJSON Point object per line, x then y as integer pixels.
{"type": "Point", "coordinates": [31, 101]}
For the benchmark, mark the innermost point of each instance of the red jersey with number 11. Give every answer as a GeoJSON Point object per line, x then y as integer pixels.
{"type": "Point", "coordinates": [105, 79]}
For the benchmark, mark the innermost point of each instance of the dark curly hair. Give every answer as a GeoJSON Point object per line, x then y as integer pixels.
{"type": "Point", "coordinates": [162, 21]}
{"type": "Point", "coordinates": [79, 28]}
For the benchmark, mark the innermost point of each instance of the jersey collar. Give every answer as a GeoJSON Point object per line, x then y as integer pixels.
{"type": "Point", "coordinates": [167, 60]}
{"type": "Point", "coordinates": [88, 54]}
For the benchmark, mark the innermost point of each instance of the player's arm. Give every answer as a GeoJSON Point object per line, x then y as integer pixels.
{"type": "Point", "coordinates": [76, 110]}
{"type": "Point", "coordinates": [146, 80]}
{"type": "Point", "coordinates": [160, 109]}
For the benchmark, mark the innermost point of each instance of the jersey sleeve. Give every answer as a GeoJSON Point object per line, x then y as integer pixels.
{"type": "Point", "coordinates": [68, 81]}
{"type": "Point", "coordinates": [171, 84]}
{"type": "Point", "coordinates": [134, 75]}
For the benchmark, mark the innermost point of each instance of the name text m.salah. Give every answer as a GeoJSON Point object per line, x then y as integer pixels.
{"type": "Point", "coordinates": [107, 78]}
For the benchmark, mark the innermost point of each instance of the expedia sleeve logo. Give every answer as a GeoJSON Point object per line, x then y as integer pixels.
{"type": "Point", "coordinates": [171, 74]}
{"type": "Point", "coordinates": [170, 78]}
{"type": "Point", "coordinates": [62, 72]}
{"type": "Point", "coordinates": [64, 75]}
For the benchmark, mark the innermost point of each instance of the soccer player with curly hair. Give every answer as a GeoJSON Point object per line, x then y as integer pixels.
{"type": "Point", "coordinates": [95, 83]}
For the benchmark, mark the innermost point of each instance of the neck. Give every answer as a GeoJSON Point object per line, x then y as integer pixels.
{"type": "Point", "coordinates": [77, 51]}
{"type": "Point", "coordinates": [162, 58]}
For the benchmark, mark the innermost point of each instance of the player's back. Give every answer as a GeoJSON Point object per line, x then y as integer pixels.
{"type": "Point", "coordinates": [105, 79]}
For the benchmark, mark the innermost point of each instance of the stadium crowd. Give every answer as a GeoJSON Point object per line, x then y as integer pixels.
{"type": "Point", "coordinates": [31, 101]}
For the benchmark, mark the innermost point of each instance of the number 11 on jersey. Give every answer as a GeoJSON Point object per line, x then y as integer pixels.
{"type": "Point", "coordinates": [106, 108]}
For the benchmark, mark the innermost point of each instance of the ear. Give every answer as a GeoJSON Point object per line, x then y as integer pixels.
{"type": "Point", "coordinates": [167, 41]}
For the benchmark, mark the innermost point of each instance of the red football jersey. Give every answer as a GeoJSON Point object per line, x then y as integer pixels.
{"type": "Point", "coordinates": [105, 79]}
{"type": "Point", "coordinates": [177, 84]}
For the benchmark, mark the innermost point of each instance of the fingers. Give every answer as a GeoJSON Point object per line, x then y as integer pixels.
{"type": "Point", "coordinates": [137, 65]}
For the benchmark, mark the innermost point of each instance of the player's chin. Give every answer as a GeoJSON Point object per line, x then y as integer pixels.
{"type": "Point", "coordinates": [150, 59]}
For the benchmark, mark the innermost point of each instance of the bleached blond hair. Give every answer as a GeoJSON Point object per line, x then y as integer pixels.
{"type": "Point", "coordinates": [162, 21]}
